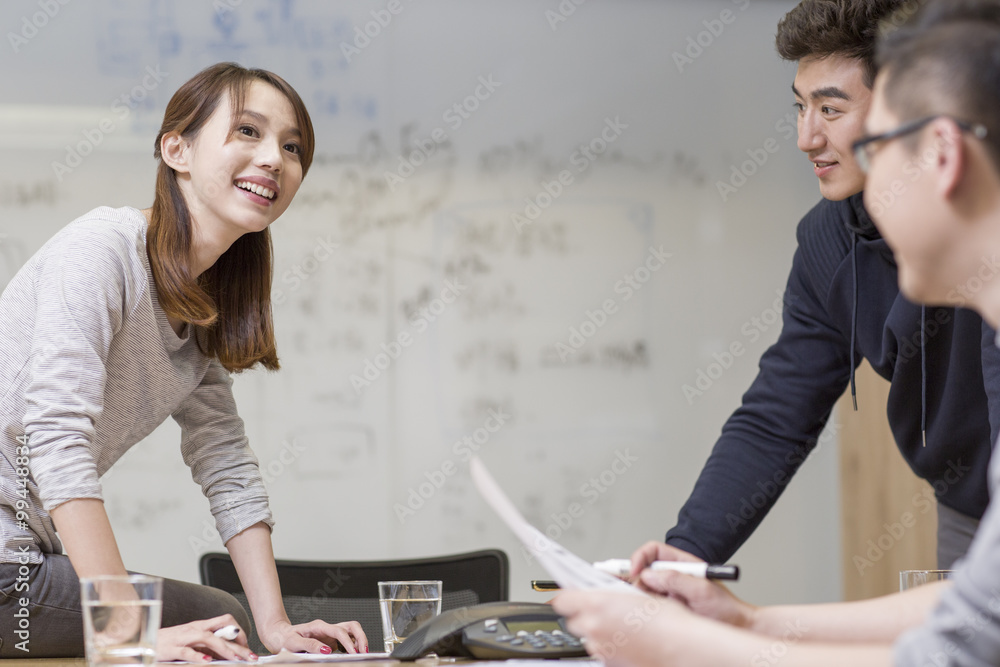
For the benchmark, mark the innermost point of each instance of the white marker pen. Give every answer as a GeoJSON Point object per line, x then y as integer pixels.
{"type": "Point", "coordinates": [229, 632]}
{"type": "Point", "coordinates": [620, 567]}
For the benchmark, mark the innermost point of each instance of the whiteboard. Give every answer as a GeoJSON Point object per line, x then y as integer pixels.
{"type": "Point", "coordinates": [543, 339]}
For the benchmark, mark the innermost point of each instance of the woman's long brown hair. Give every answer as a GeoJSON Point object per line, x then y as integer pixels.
{"type": "Point", "coordinates": [229, 305]}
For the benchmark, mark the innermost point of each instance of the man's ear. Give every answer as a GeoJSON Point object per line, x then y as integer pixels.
{"type": "Point", "coordinates": [951, 160]}
{"type": "Point", "coordinates": [175, 151]}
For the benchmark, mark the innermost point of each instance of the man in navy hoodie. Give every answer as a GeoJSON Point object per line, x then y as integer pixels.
{"type": "Point", "coordinates": [842, 304]}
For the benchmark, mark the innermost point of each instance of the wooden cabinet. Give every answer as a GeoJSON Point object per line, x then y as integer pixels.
{"type": "Point", "coordinates": [888, 514]}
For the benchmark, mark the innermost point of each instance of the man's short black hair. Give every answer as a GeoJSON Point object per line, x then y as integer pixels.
{"type": "Point", "coordinates": [822, 28]}
{"type": "Point", "coordinates": [946, 60]}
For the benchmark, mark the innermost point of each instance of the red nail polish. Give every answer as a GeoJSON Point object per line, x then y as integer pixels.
{"type": "Point", "coordinates": [253, 656]}
{"type": "Point", "coordinates": [325, 650]}
{"type": "Point", "coordinates": [207, 658]}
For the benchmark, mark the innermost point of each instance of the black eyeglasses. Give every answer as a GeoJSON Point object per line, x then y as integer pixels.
{"type": "Point", "coordinates": [865, 147]}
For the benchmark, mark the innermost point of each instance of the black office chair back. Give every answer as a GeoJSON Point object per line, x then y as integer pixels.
{"type": "Point", "coordinates": [339, 591]}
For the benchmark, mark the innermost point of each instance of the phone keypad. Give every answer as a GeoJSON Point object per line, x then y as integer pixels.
{"type": "Point", "coordinates": [540, 639]}
{"type": "Point", "coordinates": [536, 635]}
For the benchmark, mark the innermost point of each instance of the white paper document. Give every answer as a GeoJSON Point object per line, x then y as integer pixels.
{"type": "Point", "coordinates": [569, 570]}
{"type": "Point", "coordinates": [289, 657]}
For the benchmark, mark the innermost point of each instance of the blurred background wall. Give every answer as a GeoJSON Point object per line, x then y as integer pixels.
{"type": "Point", "coordinates": [468, 265]}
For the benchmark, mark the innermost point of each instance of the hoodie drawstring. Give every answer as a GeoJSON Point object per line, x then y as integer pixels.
{"type": "Point", "coordinates": [923, 375]}
{"type": "Point", "coordinates": [854, 316]}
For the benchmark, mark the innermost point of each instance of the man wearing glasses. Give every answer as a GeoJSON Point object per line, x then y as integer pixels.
{"type": "Point", "coordinates": [928, 143]}
{"type": "Point", "coordinates": [842, 305]}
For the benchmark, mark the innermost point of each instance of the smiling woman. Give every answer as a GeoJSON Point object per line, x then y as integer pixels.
{"type": "Point", "coordinates": [202, 194]}
{"type": "Point", "coordinates": [127, 316]}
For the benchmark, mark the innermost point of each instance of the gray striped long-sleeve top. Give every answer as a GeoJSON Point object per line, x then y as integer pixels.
{"type": "Point", "coordinates": [89, 365]}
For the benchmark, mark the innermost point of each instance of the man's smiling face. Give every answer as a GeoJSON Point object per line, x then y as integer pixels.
{"type": "Point", "coordinates": [832, 100]}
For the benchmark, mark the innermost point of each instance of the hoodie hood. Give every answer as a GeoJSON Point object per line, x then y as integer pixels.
{"type": "Point", "coordinates": [863, 227]}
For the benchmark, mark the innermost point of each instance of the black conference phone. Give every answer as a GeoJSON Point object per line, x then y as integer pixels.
{"type": "Point", "coordinates": [494, 630]}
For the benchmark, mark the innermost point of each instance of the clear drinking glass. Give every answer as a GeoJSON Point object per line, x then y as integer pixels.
{"type": "Point", "coordinates": [121, 615]}
{"type": "Point", "coordinates": [913, 578]}
{"type": "Point", "coordinates": [405, 606]}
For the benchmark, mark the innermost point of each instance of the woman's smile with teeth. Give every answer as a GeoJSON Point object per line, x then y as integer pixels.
{"type": "Point", "coordinates": [256, 189]}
